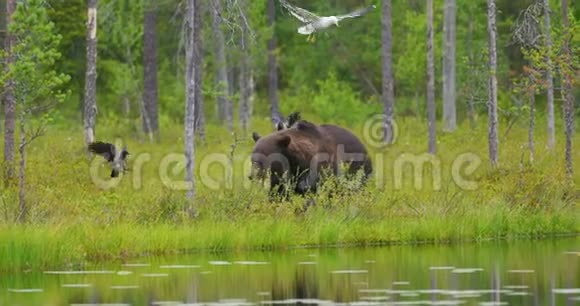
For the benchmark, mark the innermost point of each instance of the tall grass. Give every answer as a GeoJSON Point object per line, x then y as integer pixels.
{"type": "Point", "coordinates": [72, 221]}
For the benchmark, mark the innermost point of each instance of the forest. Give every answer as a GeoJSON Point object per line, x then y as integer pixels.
{"type": "Point", "coordinates": [183, 84]}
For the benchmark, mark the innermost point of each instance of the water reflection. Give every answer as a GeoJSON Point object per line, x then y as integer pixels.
{"type": "Point", "coordinates": [515, 273]}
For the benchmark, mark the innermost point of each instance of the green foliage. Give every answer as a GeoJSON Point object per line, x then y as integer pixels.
{"type": "Point", "coordinates": [36, 85]}
{"type": "Point", "coordinates": [352, 52]}
{"type": "Point", "coordinates": [69, 18]}
{"type": "Point", "coordinates": [333, 101]}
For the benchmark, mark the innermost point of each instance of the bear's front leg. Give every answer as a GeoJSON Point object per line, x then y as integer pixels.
{"type": "Point", "coordinates": [306, 182]}
{"type": "Point", "coordinates": [278, 190]}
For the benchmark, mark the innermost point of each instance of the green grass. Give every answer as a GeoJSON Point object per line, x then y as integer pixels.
{"type": "Point", "coordinates": [72, 221]}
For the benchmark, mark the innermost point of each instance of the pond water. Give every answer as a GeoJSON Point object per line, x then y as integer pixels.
{"type": "Point", "coordinates": [542, 272]}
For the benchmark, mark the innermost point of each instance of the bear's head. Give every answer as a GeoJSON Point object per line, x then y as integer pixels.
{"type": "Point", "coordinates": [270, 153]}
{"type": "Point", "coordinates": [290, 153]}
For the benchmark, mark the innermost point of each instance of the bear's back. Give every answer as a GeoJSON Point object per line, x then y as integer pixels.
{"type": "Point", "coordinates": [344, 137]}
{"type": "Point", "coordinates": [351, 144]}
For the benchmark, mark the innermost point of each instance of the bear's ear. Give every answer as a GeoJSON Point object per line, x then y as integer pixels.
{"type": "Point", "coordinates": [255, 136]}
{"type": "Point", "coordinates": [284, 142]}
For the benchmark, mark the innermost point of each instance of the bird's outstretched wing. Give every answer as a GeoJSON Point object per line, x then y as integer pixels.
{"type": "Point", "coordinates": [357, 13]}
{"type": "Point", "coordinates": [300, 13]}
{"type": "Point", "coordinates": [104, 149]}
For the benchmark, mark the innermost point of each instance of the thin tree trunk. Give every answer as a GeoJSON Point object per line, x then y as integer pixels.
{"type": "Point", "coordinates": [492, 90]}
{"type": "Point", "coordinates": [549, 77]}
{"type": "Point", "coordinates": [150, 95]}
{"type": "Point", "coordinates": [224, 104]}
{"type": "Point", "coordinates": [3, 31]}
{"type": "Point", "coordinates": [246, 76]}
{"type": "Point", "coordinates": [532, 97]}
{"type": "Point", "coordinates": [567, 95]}
{"type": "Point", "coordinates": [272, 61]}
{"type": "Point", "coordinates": [126, 105]}
{"type": "Point", "coordinates": [3, 26]}
{"type": "Point", "coordinates": [431, 79]}
{"type": "Point", "coordinates": [90, 99]}
{"type": "Point", "coordinates": [197, 58]}
{"type": "Point", "coordinates": [245, 90]}
{"type": "Point", "coordinates": [190, 105]}
{"type": "Point", "coordinates": [471, 65]}
{"type": "Point", "coordinates": [21, 182]}
{"type": "Point", "coordinates": [251, 95]}
{"type": "Point", "coordinates": [9, 101]}
{"type": "Point", "coordinates": [449, 103]}
{"type": "Point", "coordinates": [388, 95]}
{"type": "Point", "coordinates": [419, 112]}
{"type": "Point", "coordinates": [231, 69]}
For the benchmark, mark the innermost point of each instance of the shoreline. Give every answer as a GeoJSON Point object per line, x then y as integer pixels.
{"type": "Point", "coordinates": [34, 247]}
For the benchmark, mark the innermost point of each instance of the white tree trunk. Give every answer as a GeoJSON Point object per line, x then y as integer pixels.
{"type": "Point", "coordinates": [388, 95]}
{"type": "Point", "coordinates": [449, 100]}
{"type": "Point", "coordinates": [9, 101]}
{"type": "Point", "coordinates": [149, 111]}
{"type": "Point", "coordinates": [272, 61]}
{"type": "Point", "coordinates": [245, 74]}
{"type": "Point", "coordinates": [197, 59]}
{"type": "Point", "coordinates": [22, 170]}
{"type": "Point", "coordinates": [224, 104]}
{"type": "Point", "coordinates": [473, 74]}
{"type": "Point", "coordinates": [190, 93]}
{"type": "Point", "coordinates": [532, 97]}
{"type": "Point", "coordinates": [90, 98]}
{"type": "Point", "coordinates": [492, 89]}
{"type": "Point", "coordinates": [549, 77]}
{"type": "Point", "coordinates": [245, 90]}
{"type": "Point", "coordinates": [431, 80]}
{"type": "Point", "coordinates": [567, 95]}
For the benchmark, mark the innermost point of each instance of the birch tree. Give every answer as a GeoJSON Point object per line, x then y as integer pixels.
{"type": "Point", "coordinates": [532, 100]}
{"type": "Point", "coordinates": [549, 77]}
{"type": "Point", "coordinates": [246, 81]}
{"type": "Point", "coordinates": [246, 89]}
{"type": "Point", "coordinates": [90, 98]}
{"type": "Point", "coordinates": [493, 141]}
{"type": "Point", "coordinates": [472, 73]}
{"type": "Point", "coordinates": [197, 59]}
{"type": "Point", "coordinates": [272, 61]}
{"type": "Point", "coordinates": [431, 79]}
{"type": "Point", "coordinates": [191, 66]}
{"type": "Point", "coordinates": [9, 99]}
{"type": "Point", "coordinates": [567, 74]}
{"type": "Point", "coordinates": [388, 95]}
{"type": "Point", "coordinates": [449, 102]}
{"type": "Point", "coordinates": [224, 104]}
{"type": "Point", "coordinates": [149, 111]}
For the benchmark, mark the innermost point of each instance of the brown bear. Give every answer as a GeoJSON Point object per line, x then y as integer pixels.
{"type": "Point", "coordinates": [297, 156]}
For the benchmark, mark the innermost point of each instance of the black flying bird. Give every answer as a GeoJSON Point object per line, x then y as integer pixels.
{"type": "Point", "coordinates": [109, 152]}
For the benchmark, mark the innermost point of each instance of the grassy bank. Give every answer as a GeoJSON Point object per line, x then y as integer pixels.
{"type": "Point", "coordinates": [67, 246]}
{"type": "Point", "coordinates": [73, 220]}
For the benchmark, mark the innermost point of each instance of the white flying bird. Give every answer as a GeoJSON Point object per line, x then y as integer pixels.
{"type": "Point", "coordinates": [313, 23]}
